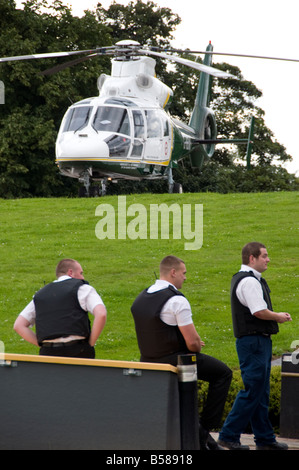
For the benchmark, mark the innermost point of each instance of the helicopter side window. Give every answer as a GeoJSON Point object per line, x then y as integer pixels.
{"type": "Point", "coordinates": [138, 124]}
{"type": "Point", "coordinates": [165, 126]}
{"type": "Point", "coordinates": [112, 119]}
{"type": "Point", "coordinates": [77, 118]}
{"type": "Point", "coordinates": [139, 133]}
{"type": "Point", "coordinates": [119, 146]}
{"type": "Point", "coordinates": [153, 124]}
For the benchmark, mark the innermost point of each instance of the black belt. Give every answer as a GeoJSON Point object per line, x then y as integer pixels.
{"type": "Point", "coordinates": [63, 344]}
{"type": "Point", "coordinates": [267, 335]}
{"type": "Point", "coordinates": [262, 334]}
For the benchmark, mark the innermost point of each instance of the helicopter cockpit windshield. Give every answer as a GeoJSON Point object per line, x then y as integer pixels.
{"type": "Point", "coordinates": [112, 119]}
{"type": "Point", "coordinates": [77, 118]}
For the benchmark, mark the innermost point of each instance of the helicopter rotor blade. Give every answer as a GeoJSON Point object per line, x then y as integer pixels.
{"type": "Point", "coordinates": [231, 54]}
{"type": "Point", "coordinates": [49, 55]}
{"type": "Point", "coordinates": [70, 63]}
{"type": "Point", "coordinates": [43, 56]}
{"type": "Point", "coordinates": [189, 63]}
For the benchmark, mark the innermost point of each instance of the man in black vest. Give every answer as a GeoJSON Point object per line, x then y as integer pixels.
{"type": "Point", "coordinates": [164, 328]}
{"type": "Point", "coordinates": [60, 313]}
{"type": "Point", "coordinates": [254, 321]}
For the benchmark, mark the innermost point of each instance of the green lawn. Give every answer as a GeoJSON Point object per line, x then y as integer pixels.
{"type": "Point", "coordinates": [36, 233]}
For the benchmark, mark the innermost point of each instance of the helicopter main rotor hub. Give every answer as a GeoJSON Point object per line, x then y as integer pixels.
{"type": "Point", "coordinates": [127, 49]}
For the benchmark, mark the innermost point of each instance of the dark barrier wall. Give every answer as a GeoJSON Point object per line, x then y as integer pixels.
{"type": "Point", "coordinates": [289, 409]}
{"type": "Point", "coordinates": [60, 403]}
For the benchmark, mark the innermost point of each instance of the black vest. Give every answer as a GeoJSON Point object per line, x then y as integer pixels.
{"type": "Point", "coordinates": [157, 341]}
{"type": "Point", "coordinates": [58, 312]}
{"type": "Point", "coordinates": [244, 323]}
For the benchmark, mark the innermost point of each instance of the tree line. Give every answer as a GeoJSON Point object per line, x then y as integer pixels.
{"type": "Point", "coordinates": [35, 102]}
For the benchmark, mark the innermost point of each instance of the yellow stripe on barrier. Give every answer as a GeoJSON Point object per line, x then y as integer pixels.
{"type": "Point", "coordinates": [89, 362]}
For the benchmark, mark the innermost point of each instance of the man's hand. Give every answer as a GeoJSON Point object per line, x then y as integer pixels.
{"type": "Point", "coordinates": [266, 314]}
{"type": "Point", "coordinates": [283, 317]}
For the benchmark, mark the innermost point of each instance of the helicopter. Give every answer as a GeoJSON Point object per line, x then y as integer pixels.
{"type": "Point", "coordinates": [126, 131]}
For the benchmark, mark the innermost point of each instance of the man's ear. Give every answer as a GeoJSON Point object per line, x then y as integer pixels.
{"type": "Point", "coordinates": [172, 272]}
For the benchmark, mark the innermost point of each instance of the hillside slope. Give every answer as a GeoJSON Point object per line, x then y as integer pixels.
{"type": "Point", "coordinates": [36, 233]}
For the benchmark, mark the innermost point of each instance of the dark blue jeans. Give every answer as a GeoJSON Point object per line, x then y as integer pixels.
{"type": "Point", "coordinates": [252, 403]}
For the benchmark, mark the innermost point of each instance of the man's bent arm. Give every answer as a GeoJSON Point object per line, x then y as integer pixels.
{"type": "Point", "coordinates": [22, 327]}
{"type": "Point", "coordinates": [191, 337]}
{"type": "Point", "coordinates": [99, 322]}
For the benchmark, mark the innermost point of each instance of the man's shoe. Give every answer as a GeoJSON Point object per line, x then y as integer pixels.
{"type": "Point", "coordinates": [212, 444]}
{"type": "Point", "coordinates": [233, 445]}
{"type": "Point", "coordinates": [273, 446]}
{"type": "Point", "coordinates": [203, 437]}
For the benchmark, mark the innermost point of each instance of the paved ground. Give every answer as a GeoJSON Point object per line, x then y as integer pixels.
{"type": "Point", "coordinates": [247, 439]}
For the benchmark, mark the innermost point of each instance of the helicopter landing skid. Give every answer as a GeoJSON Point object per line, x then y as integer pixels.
{"type": "Point", "coordinates": [85, 179]}
{"type": "Point", "coordinates": [91, 191]}
{"type": "Point", "coordinates": [172, 186]}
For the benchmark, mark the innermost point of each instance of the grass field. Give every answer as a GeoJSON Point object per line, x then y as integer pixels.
{"type": "Point", "coordinates": [36, 233]}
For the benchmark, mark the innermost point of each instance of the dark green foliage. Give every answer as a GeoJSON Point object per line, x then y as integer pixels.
{"type": "Point", "coordinates": [35, 104]}
{"type": "Point", "coordinates": [233, 178]}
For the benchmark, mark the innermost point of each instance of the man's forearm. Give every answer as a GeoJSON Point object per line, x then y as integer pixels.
{"type": "Point", "coordinates": [99, 322]}
{"type": "Point", "coordinates": [26, 333]}
{"type": "Point", "coordinates": [267, 314]}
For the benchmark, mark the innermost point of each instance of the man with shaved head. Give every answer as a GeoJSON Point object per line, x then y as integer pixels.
{"type": "Point", "coordinates": [60, 313]}
{"type": "Point", "coordinates": [165, 330]}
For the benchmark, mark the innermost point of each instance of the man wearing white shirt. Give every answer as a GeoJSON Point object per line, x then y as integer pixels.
{"type": "Point", "coordinates": [165, 330]}
{"type": "Point", "coordinates": [254, 322]}
{"type": "Point", "coordinates": [60, 314]}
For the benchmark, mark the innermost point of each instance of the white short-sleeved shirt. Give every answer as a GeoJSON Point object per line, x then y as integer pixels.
{"type": "Point", "coordinates": [177, 310]}
{"type": "Point", "coordinates": [249, 291]}
{"type": "Point", "coordinates": [87, 296]}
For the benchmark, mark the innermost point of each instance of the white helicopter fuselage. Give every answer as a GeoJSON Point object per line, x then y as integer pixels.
{"type": "Point", "coordinates": [124, 132]}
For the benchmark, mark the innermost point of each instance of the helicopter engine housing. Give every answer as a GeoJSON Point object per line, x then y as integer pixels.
{"type": "Point", "coordinates": [142, 86]}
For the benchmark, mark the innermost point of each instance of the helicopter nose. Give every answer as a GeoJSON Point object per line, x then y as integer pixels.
{"type": "Point", "coordinates": [81, 146]}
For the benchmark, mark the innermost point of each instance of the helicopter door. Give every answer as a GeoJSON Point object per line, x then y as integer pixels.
{"type": "Point", "coordinates": [114, 125]}
{"type": "Point", "coordinates": [167, 137]}
{"type": "Point", "coordinates": [158, 141]}
{"type": "Point", "coordinates": [139, 135]}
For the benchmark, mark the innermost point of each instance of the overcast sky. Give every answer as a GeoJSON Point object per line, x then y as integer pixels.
{"type": "Point", "coordinates": [258, 27]}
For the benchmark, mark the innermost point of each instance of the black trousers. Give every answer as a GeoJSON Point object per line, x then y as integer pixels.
{"type": "Point", "coordinates": [219, 377]}
{"type": "Point", "coordinates": [80, 349]}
